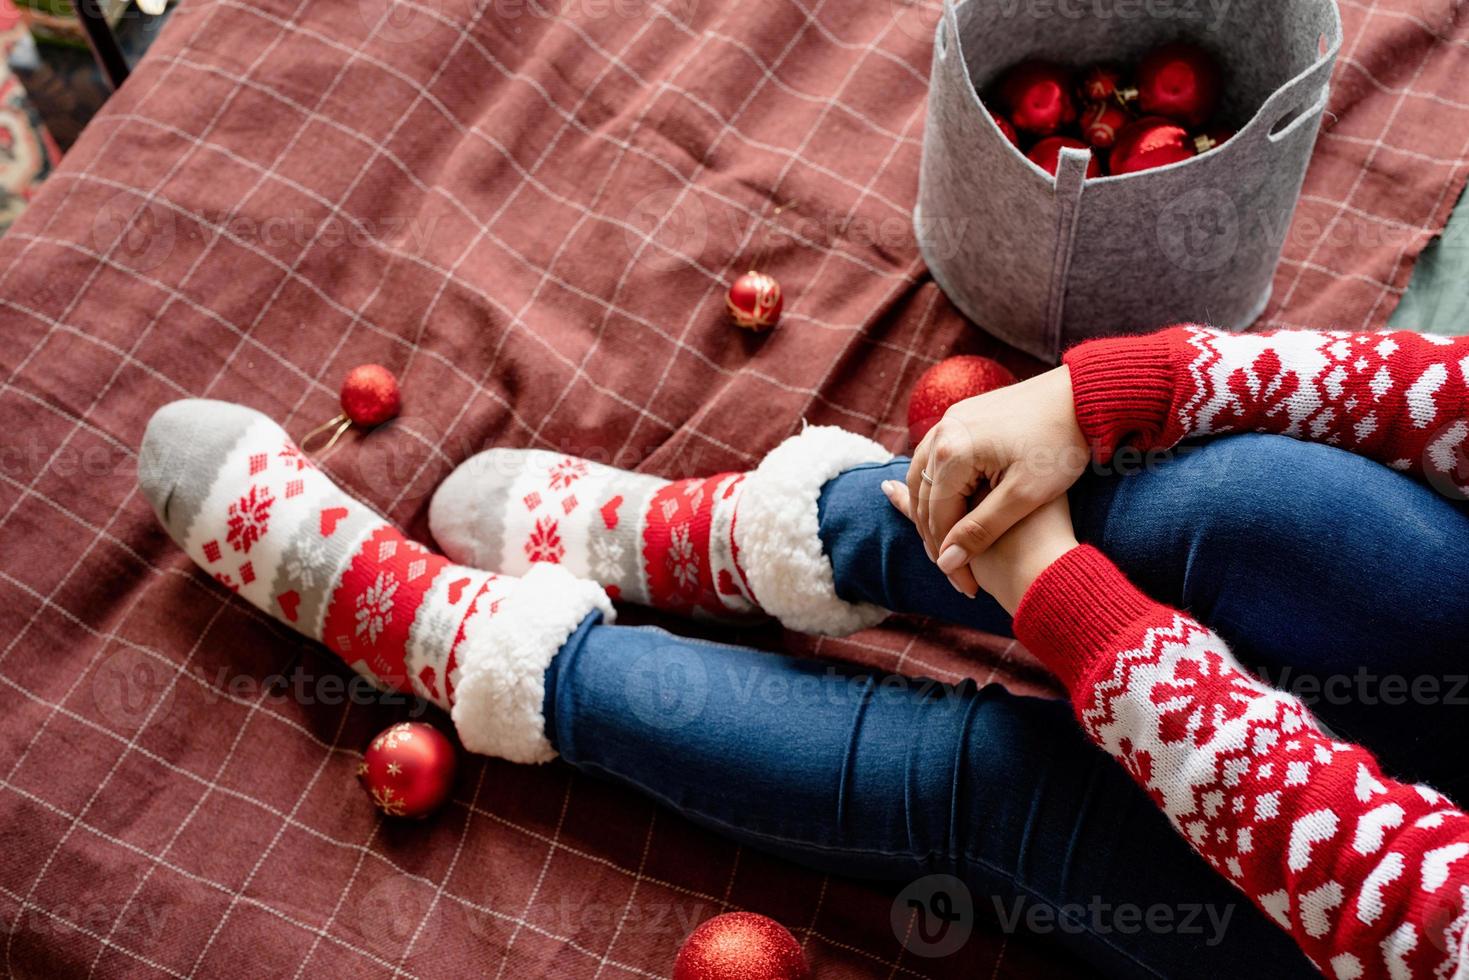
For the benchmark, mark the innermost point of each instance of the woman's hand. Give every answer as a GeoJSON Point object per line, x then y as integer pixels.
{"type": "Point", "coordinates": [1007, 568]}
{"type": "Point", "coordinates": [991, 461]}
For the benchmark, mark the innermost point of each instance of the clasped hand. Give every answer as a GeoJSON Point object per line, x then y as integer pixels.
{"type": "Point", "coordinates": [986, 488]}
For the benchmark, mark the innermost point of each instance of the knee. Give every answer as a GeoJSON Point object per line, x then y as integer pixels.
{"type": "Point", "coordinates": [1234, 528]}
{"type": "Point", "coordinates": [857, 524]}
{"type": "Point", "coordinates": [1330, 519]}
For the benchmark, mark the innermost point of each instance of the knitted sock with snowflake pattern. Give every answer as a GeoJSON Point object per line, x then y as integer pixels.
{"type": "Point", "coordinates": [728, 546]}
{"type": "Point", "coordinates": [251, 510]}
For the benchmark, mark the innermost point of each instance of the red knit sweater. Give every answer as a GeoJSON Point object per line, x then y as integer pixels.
{"type": "Point", "coordinates": [1369, 875]}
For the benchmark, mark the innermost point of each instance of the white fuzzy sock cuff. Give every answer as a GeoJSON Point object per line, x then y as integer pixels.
{"type": "Point", "coordinates": [502, 674]}
{"type": "Point", "coordinates": [776, 531]}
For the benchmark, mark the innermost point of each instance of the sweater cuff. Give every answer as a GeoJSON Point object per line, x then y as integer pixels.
{"type": "Point", "coordinates": [1123, 388]}
{"type": "Point", "coordinates": [1075, 614]}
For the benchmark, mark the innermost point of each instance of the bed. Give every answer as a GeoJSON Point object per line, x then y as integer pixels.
{"type": "Point", "coordinates": [532, 219]}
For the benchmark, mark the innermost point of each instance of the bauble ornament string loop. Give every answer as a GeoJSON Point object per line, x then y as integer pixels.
{"type": "Point", "coordinates": [370, 396]}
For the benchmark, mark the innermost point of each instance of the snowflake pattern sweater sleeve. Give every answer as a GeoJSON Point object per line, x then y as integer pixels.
{"type": "Point", "coordinates": [1370, 876]}
{"type": "Point", "coordinates": [1400, 398]}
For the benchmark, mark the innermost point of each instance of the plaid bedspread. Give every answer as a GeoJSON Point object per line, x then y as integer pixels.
{"type": "Point", "coordinates": [531, 216]}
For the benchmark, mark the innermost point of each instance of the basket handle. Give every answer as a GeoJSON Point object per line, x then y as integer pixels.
{"type": "Point", "coordinates": [949, 58]}
{"type": "Point", "coordinates": [1298, 101]}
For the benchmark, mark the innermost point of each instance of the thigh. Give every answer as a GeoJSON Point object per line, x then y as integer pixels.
{"type": "Point", "coordinates": [899, 779]}
{"type": "Point", "coordinates": [1330, 575]}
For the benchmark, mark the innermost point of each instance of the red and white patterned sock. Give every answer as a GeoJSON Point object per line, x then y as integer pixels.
{"type": "Point", "coordinates": [731, 545]}
{"type": "Point", "coordinates": [238, 496]}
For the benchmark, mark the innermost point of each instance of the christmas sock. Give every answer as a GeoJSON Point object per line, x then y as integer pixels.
{"type": "Point", "coordinates": [728, 546]}
{"type": "Point", "coordinates": [238, 496]}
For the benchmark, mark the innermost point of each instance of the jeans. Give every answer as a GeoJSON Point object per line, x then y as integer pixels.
{"type": "Point", "coordinates": [1303, 557]}
{"type": "Point", "coordinates": [1329, 575]}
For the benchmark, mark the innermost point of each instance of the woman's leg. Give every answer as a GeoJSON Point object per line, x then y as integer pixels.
{"type": "Point", "coordinates": [1335, 577]}
{"type": "Point", "coordinates": [897, 779]}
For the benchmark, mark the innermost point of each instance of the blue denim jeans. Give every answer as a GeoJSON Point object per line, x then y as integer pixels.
{"type": "Point", "coordinates": [1305, 558]}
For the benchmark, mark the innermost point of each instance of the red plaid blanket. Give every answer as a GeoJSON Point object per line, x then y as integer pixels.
{"type": "Point", "coordinates": [532, 219]}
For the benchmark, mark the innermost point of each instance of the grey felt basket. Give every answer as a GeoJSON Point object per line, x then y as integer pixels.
{"type": "Point", "coordinates": [1044, 262]}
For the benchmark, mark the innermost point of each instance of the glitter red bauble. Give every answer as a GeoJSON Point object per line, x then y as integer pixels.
{"type": "Point", "coordinates": [408, 770]}
{"type": "Point", "coordinates": [1036, 96]}
{"type": "Point", "coordinates": [1148, 143]}
{"type": "Point", "coordinates": [1101, 122]}
{"type": "Point", "coordinates": [741, 946]}
{"type": "Point", "coordinates": [1006, 128]}
{"type": "Point", "coordinates": [1047, 155]}
{"type": "Point", "coordinates": [949, 381]}
{"type": "Point", "coordinates": [1180, 81]}
{"type": "Point", "coordinates": [754, 301]}
{"type": "Point", "coordinates": [370, 395]}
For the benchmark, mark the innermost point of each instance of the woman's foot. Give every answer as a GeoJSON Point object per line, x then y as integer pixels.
{"type": "Point", "coordinates": [244, 503]}
{"type": "Point", "coordinates": [729, 546]}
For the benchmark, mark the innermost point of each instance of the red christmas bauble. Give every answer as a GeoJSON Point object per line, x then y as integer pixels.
{"type": "Point", "coordinates": [1180, 81]}
{"type": "Point", "coordinates": [1036, 95]}
{"type": "Point", "coordinates": [370, 395]}
{"type": "Point", "coordinates": [1047, 155]}
{"type": "Point", "coordinates": [741, 946]}
{"type": "Point", "coordinates": [754, 301]}
{"type": "Point", "coordinates": [1006, 127]}
{"type": "Point", "coordinates": [951, 380]}
{"type": "Point", "coordinates": [1101, 122]}
{"type": "Point", "coordinates": [408, 770]}
{"type": "Point", "coordinates": [1105, 83]}
{"type": "Point", "coordinates": [1148, 143]}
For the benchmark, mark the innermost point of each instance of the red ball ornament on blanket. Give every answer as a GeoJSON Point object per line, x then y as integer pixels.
{"type": "Point", "coordinates": [754, 301]}
{"type": "Point", "coordinates": [370, 395]}
{"type": "Point", "coordinates": [951, 380]}
{"type": "Point", "coordinates": [1148, 143]}
{"type": "Point", "coordinates": [1180, 81]}
{"type": "Point", "coordinates": [741, 946]}
{"type": "Point", "coordinates": [408, 770]}
{"type": "Point", "coordinates": [1036, 95]}
{"type": "Point", "coordinates": [1047, 155]}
